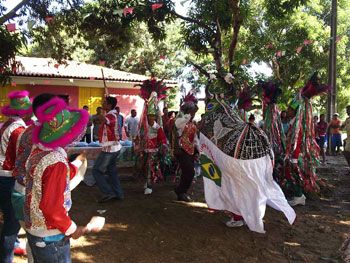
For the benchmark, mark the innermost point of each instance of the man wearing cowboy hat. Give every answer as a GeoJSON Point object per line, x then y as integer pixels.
{"type": "Point", "coordinates": [18, 112]}
{"type": "Point", "coordinates": [47, 181]}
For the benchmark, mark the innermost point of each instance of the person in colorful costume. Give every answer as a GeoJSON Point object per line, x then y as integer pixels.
{"type": "Point", "coordinates": [47, 180]}
{"type": "Point", "coordinates": [186, 145]}
{"type": "Point", "coordinates": [237, 167]}
{"type": "Point", "coordinates": [152, 142]}
{"type": "Point", "coordinates": [106, 162]}
{"type": "Point", "coordinates": [273, 126]}
{"type": "Point", "coordinates": [24, 148]}
{"type": "Point", "coordinates": [154, 145]}
{"type": "Point", "coordinates": [18, 112]}
{"type": "Point", "coordinates": [302, 150]}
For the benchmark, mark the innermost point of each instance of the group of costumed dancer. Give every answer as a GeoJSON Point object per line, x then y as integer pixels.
{"type": "Point", "coordinates": [244, 167]}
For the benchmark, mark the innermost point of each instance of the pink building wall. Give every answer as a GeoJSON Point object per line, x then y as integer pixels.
{"type": "Point", "coordinates": [72, 91]}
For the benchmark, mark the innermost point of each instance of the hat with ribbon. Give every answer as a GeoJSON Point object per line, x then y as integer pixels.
{"type": "Point", "coordinates": [58, 124]}
{"type": "Point", "coordinates": [189, 102]}
{"type": "Point", "coordinates": [295, 103]}
{"type": "Point", "coordinates": [20, 104]}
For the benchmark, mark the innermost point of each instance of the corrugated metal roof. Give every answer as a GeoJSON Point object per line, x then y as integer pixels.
{"type": "Point", "coordinates": [48, 67]}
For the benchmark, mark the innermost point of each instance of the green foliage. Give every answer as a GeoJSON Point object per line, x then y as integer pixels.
{"type": "Point", "coordinates": [9, 45]}
{"type": "Point", "coordinates": [144, 42]}
{"type": "Point", "coordinates": [263, 34]}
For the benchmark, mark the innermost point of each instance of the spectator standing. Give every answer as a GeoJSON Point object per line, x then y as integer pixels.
{"type": "Point", "coordinates": [87, 136]}
{"type": "Point", "coordinates": [320, 133]}
{"type": "Point", "coordinates": [346, 127]}
{"type": "Point", "coordinates": [131, 125]}
{"type": "Point", "coordinates": [96, 122]}
{"type": "Point", "coordinates": [120, 123]}
{"type": "Point", "coordinates": [335, 133]}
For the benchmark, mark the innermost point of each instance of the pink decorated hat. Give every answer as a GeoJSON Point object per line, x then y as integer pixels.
{"type": "Point", "coordinates": [20, 104]}
{"type": "Point", "coordinates": [59, 125]}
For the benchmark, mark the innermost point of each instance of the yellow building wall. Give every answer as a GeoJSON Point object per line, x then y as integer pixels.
{"type": "Point", "coordinates": [91, 97]}
{"type": "Point", "coordinates": [4, 99]}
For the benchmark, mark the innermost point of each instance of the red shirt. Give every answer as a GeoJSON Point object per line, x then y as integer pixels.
{"type": "Point", "coordinates": [107, 135]}
{"type": "Point", "coordinates": [321, 128]}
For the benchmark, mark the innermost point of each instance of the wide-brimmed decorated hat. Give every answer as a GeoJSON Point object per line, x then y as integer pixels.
{"type": "Point", "coordinates": [20, 104]}
{"type": "Point", "coordinates": [189, 102]}
{"type": "Point", "coordinates": [58, 124]}
{"type": "Point", "coordinates": [152, 104]}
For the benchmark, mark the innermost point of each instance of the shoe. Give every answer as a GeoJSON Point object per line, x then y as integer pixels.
{"type": "Point", "coordinates": [234, 223]}
{"type": "Point", "coordinates": [184, 198]}
{"type": "Point", "coordinates": [297, 201]}
{"type": "Point", "coordinates": [18, 251]}
{"type": "Point", "coordinates": [148, 191]}
{"type": "Point", "coordinates": [107, 198]}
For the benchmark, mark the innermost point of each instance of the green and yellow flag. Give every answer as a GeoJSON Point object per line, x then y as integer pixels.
{"type": "Point", "coordinates": [210, 170]}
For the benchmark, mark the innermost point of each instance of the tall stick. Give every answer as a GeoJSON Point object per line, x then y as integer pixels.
{"type": "Point", "coordinates": [104, 82]}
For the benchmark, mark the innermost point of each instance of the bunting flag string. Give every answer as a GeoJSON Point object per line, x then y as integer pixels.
{"type": "Point", "coordinates": [11, 27]}
{"type": "Point", "coordinates": [128, 10]}
{"type": "Point", "coordinates": [49, 19]}
{"type": "Point", "coordinates": [156, 6]}
{"type": "Point", "coordinates": [299, 49]}
{"type": "Point", "coordinates": [306, 42]}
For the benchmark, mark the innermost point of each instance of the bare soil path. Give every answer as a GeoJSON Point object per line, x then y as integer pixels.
{"type": "Point", "coordinates": [156, 228]}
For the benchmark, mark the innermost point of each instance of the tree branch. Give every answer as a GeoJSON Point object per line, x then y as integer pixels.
{"type": "Point", "coordinates": [276, 69]}
{"type": "Point", "coordinates": [218, 48]}
{"type": "Point", "coordinates": [200, 69]}
{"type": "Point", "coordinates": [12, 13]}
{"type": "Point", "coordinates": [236, 25]}
{"type": "Point", "coordinates": [192, 20]}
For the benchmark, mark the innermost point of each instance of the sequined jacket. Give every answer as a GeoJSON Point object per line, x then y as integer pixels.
{"type": "Point", "coordinates": [9, 134]}
{"type": "Point", "coordinates": [187, 132]}
{"type": "Point", "coordinates": [107, 135]}
{"type": "Point", "coordinates": [48, 196]}
{"type": "Point", "coordinates": [24, 148]}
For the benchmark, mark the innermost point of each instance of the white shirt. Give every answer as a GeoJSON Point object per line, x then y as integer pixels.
{"type": "Point", "coordinates": [131, 125]}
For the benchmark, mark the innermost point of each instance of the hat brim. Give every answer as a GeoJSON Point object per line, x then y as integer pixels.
{"type": "Point", "coordinates": [8, 111]}
{"type": "Point", "coordinates": [78, 120]}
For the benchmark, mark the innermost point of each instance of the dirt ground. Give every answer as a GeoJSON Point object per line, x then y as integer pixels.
{"type": "Point", "coordinates": [158, 229]}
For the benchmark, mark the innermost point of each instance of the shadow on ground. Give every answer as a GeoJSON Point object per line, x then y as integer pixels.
{"type": "Point", "coordinates": [158, 229]}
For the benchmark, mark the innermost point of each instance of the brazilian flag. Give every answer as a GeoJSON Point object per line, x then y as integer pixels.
{"type": "Point", "coordinates": [210, 170]}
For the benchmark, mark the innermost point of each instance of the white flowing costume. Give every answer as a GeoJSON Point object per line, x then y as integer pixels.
{"type": "Point", "coordinates": [247, 186]}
